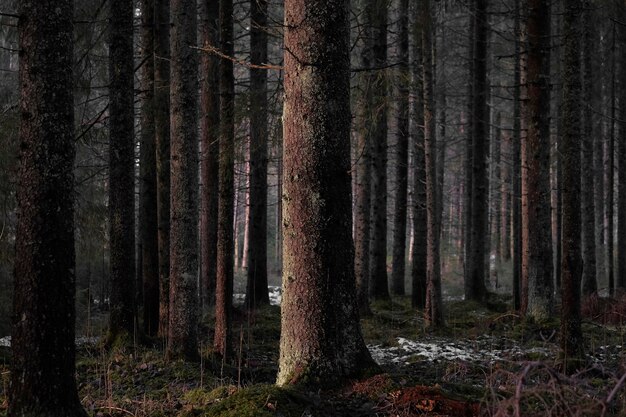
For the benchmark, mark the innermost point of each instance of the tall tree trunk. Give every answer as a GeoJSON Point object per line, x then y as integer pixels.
{"type": "Point", "coordinates": [43, 363]}
{"type": "Point", "coordinates": [182, 334]}
{"type": "Point", "coordinates": [609, 166]}
{"type": "Point", "coordinates": [558, 213]}
{"type": "Point", "coordinates": [505, 198]}
{"type": "Point", "coordinates": [148, 226]}
{"type": "Point", "coordinates": [475, 289]}
{"type": "Point", "coordinates": [209, 148]}
{"type": "Point", "coordinates": [516, 195]}
{"type": "Point", "coordinates": [469, 147]}
{"type": "Point", "coordinates": [620, 282]}
{"type": "Point", "coordinates": [420, 225]}
{"type": "Point", "coordinates": [590, 285]}
{"type": "Point", "coordinates": [536, 216]}
{"type": "Point", "coordinates": [162, 132]}
{"type": "Point", "coordinates": [225, 238]}
{"type": "Point", "coordinates": [496, 194]}
{"type": "Point", "coordinates": [256, 291]}
{"type": "Point", "coordinates": [378, 243]}
{"type": "Point", "coordinates": [571, 333]}
{"type": "Point", "coordinates": [433, 314]}
{"type": "Point", "coordinates": [400, 212]}
{"type": "Point", "coordinates": [121, 174]}
{"type": "Point", "coordinates": [321, 340]}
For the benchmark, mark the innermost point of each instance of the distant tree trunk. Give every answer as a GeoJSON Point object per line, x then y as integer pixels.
{"type": "Point", "coordinates": [43, 363]}
{"type": "Point", "coordinates": [609, 166]}
{"type": "Point", "coordinates": [420, 225]}
{"type": "Point", "coordinates": [571, 333]}
{"type": "Point", "coordinates": [590, 285]}
{"type": "Point", "coordinates": [469, 147]}
{"type": "Point", "coordinates": [433, 315]}
{"type": "Point", "coordinates": [182, 335]}
{"type": "Point", "coordinates": [475, 281]}
{"type": "Point", "coordinates": [598, 156]}
{"type": "Point", "coordinates": [496, 194]}
{"type": "Point", "coordinates": [321, 340]}
{"type": "Point", "coordinates": [256, 291]}
{"type": "Point", "coordinates": [557, 157]}
{"type": "Point", "coordinates": [516, 195]}
{"type": "Point", "coordinates": [364, 169]}
{"type": "Point", "coordinates": [209, 148]}
{"type": "Point", "coordinates": [225, 238]}
{"type": "Point", "coordinates": [400, 213]}
{"type": "Point", "coordinates": [121, 174]}
{"type": "Point", "coordinates": [620, 282]}
{"type": "Point", "coordinates": [162, 131]}
{"type": "Point", "coordinates": [536, 216]}
{"type": "Point", "coordinates": [148, 202]}
{"type": "Point", "coordinates": [378, 243]}
{"type": "Point", "coordinates": [505, 198]}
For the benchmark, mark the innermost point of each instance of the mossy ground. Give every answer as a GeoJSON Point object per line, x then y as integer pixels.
{"type": "Point", "coordinates": [138, 381]}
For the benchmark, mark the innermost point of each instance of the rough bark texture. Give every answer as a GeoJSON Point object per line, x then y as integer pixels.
{"type": "Point", "coordinates": [182, 332]}
{"type": "Point", "coordinates": [467, 203]}
{"type": "Point", "coordinates": [402, 161]}
{"type": "Point", "coordinates": [209, 149]}
{"type": "Point", "coordinates": [571, 333]}
{"type": "Point", "coordinates": [43, 362]}
{"type": "Point", "coordinates": [420, 225]}
{"type": "Point", "coordinates": [620, 281]}
{"type": "Point", "coordinates": [148, 224]}
{"type": "Point", "coordinates": [590, 285]}
{"type": "Point", "coordinates": [433, 313]}
{"type": "Point", "coordinates": [321, 340]}
{"type": "Point", "coordinates": [505, 198]}
{"type": "Point", "coordinates": [536, 217]}
{"type": "Point", "coordinates": [121, 173]}
{"type": "Point", "coordinates": [225, 237]}
{"type": "Point", "coordinates": [609, 177]}
{"type": "Point", "coordinates": [475, 281]}
{"type": "Point", "coordinates": [256, 289]}
{"type": "Point", "coordinates": [378, 243]}
{"type": "Point", "coordinates": [496, 187]}
{"type": "Point", "coordinates": [363, 189]}
{"type": "Point", "coordinates": [516, 199]}
{"type": "Point", "coordinates": [162, 132]}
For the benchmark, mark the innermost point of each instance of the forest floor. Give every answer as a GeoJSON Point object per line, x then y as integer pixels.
{"type": "Point", "coordinates": [485, 362]}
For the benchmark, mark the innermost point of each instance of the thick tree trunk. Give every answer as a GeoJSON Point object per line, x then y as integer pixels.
{"type": "Point", "coordinates": [225, 238]}
{"type": "Point", "coordinates": [162, 131]}
{"type": "Point", "coordinates": [183, 318]}
{"type": "Point", "coordinates": [402, 162]}
{"type": "Point", "coordinates": [536, 216]}
{"type": "Point", "coordinates": [209, 149]}
{"type": "Point", "coordinates": [590, 285]}
{"type": "Point", "coordinates": [121, 174]}
{"type": "Point", "coordinates": [378, 243]}
{"type": "Point", "coordinates": [516, 195]}
{"type": "Point", "coordinates": [620, 281]}
{"type": "Point", "coordinates": [148, 226]}
{"type": "Point", "coordinates": [43, 362]}
{"type": "Point", "coordinates": [571, 333]}
{"type": "Point", "coordinates": [256, 290]}
{"type": "Point", "coordinates": [321, 340]}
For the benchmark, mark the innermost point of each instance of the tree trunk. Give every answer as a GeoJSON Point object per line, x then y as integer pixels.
{"type": "Point", "coordinates": [590, 285]}
{"type": "Point", "coordinates": [209, 149]}
{"type": "Point", "coordinates": [182, 334]}
{"type": "Point", "coordinates": [121, 174]}
{"type": "Point", "coordinates": [516, 195]}
{"type": "Point", "coordinates": [378, 244]}
{"type": "Point", "coordinates": [469, 147]}
{"type": "Point", "coordinates": [225, 238]}
{"type": "Point", "coordinates": [400, 212]}
{"type": "Point", "coordinates": [162, 131]}
{"type": "Point", "coordinates": [609, 166]}
{"type": "Point", "coordinates": [43, 363]}
{"type": "Point", "coordinates": [571, 333]}
{"type": "Point", "coordinates": [496, 194]}
{"type": "Point", "coordinates": [620, 282]}
{"type": "Point", "coordinates": [536, 215]}
{"type": "Point", "coordinates": [148, 203]}
{"type": "Point", "coordinates": [256, 290]}
{"type": "Point", "coordinates": [321, 340]}
{"type": "Point", "coordinates": [505, 198]}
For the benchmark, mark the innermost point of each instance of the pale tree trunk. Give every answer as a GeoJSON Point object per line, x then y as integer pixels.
{"type": "Point", "coordinates": [469, 147]}
{"type": "Point", "coordinates": [183, 317]}
{"type": "Point", "coordinates": [609, 167]}
{"type": "Point", "coordinates": [43, 379]}
{"type": "Point", "coordinates": [321, 340]}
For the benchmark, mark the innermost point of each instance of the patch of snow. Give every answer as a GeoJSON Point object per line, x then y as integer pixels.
{"type": "Point", "coordinates": [80, 341]}
{"type": "Point", "coordinates": [275, 293]}
{"type": "Point", "coordinates": [5, 341]}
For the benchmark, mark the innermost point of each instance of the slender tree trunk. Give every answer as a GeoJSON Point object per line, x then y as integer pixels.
{"type": "Point", "coordinates": [469, 147]}
{"type": "Point", "coordinates": [620, 282]}
{"type": "Point", "coordinates": [256, 291]}
{"type": "Point", "coordinates": [225, 238]}
{"type": "Point", "coordinates": [558, 213]}
{"type": "Point", "coordinates": [400, 213]}
{"type": "Point", "coordinates": [505, 198]}
{"type": "Point", "coordinates": [162, 132]}
{"type": "Point", "coordinates": [43, 363]}
{"type": "Point", "coordinates": [536, 216]}
{"type": "Point", "coordinates": [609, 166]}
{"type": "Point", "coordinates": [496, 194]}
{"type": "Point", "coordinates": [209, 148]}
{"type": "Point", "coordinates": [148, 203]}
{"type": "Point", "coordinates": [590, 285]}
{"type": "Point", "coordinates": [183, 319]}
{"type": "Point", "coordinates": [571, 333]}
{"type": "Point", "coordinates": [516, 195]}
{"type": "Point", "coordinates": [121, 174]}
{"type": "Point", "coordinates": [321, 340]}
